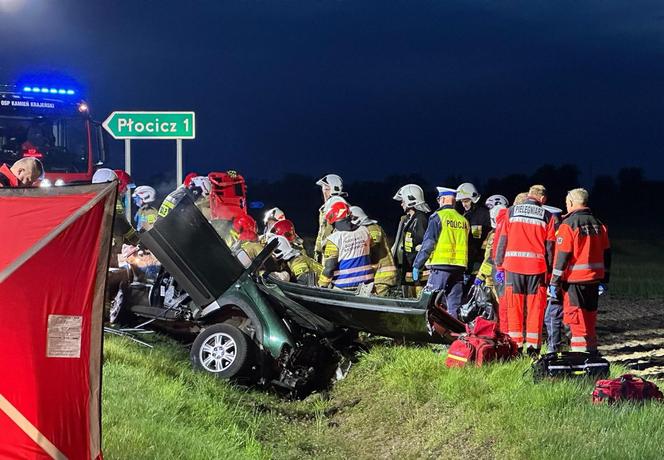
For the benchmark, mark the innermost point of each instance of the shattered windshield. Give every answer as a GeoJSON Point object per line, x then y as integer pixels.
{"type": "Point", "coordinates": [61, 143]}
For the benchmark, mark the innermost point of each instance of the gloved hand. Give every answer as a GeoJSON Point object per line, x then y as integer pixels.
{"type": "Point", "coordinates": [478, 282]}
{"type": "Point", "coordinates": [553, 291]}
{"type": "Point", "coordinates": [500, 277]}
{"type": "Point", "coordinates": [603, 288]}
{"type": "Point", "coordinates": [416, 274]}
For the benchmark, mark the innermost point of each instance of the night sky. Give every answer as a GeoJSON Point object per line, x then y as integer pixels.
{"type": "Point", "coordinates": [365, 88]}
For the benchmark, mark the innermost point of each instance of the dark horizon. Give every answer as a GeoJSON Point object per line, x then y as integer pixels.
{"type": "Point", "coordinates": [366, 89]}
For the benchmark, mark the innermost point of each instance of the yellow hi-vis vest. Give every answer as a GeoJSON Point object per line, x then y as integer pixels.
{"type": "Point", "coordinates": [452, 245]}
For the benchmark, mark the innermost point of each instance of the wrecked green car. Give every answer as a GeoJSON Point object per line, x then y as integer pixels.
{"type": "Point", "coordinates": [256, 328]}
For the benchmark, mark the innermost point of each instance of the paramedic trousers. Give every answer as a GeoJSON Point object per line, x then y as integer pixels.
{"type": "Point", "coordinates": [451, 282]}
{"type": "Point", "coordinates": [580, 314]}
{"type": "Point", "coordinates": [525, 293]}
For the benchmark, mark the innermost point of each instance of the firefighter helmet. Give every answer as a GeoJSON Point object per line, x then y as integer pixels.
{"type": "Point", "coordinates": [245, 227]}
{"type": "Point", "coordinates": [146, 194]}
{"type": "Point", "coordinates": [200, 186]}
{"type": "Point", "coordinates": [495, 200]}
{"type": "Point", "coordinates": [467, 191]}
{"type": "Point", "coordinates": [412, 196]}
{"type": "Point", "coordinates": [125, 181]}
{"type": "Point", "coordinates": [493, 213]}
{"type": "Point", "coordinates": [188, 178]}
{"type": "Point", "coordinates": [332, 200]}
{"type": "Point", "coordinates": [275, 214]}
{"type": "Point", "coordinates": [284, 228]}
{"type": "Point", "coordinates": [359, 217]}
{"type": "Point", "coordinates": [104, 175]}
{"type": "Point", "coordinates": [338, 211]}
{"type": "Point", "coordinates": [334, 183]}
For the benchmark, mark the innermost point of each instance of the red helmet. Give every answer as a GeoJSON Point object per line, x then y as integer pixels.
{"type": "Point", "coordinates": [338, 211]}
{"type": "Point", "coordinates": [245, 227]}
{"type": "Point", "coordinates": [284, 228]}
{"type": "Point", "coordinates": [124, 180]}
{"type": "Point", "coordinates": [188, 178]}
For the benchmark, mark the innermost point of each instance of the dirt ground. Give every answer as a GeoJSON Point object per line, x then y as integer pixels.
{"type": "Point", "coordinates": [631, 333]}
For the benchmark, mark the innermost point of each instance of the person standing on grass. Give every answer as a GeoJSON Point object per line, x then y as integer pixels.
{"type": "Point", "coordinates": [581, 269]}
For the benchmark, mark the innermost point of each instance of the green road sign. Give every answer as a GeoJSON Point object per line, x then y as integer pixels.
{"type": "Point", "coordinates": [151, 125]}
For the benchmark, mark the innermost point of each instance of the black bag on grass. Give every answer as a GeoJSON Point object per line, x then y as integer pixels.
{"type": "Point", "coordinates": [570, 364]}
{"type": "Point", "coordinates": [479, 305]}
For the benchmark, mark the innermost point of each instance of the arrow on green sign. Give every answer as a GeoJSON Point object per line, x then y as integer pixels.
{"type": "Point", "coordinates": [151, 125]}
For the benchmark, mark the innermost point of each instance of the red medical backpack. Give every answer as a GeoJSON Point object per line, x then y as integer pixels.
{"type": "Point", "coordinates": [625, 388]}
{"type": "Point", "coordinates": [485, 343]}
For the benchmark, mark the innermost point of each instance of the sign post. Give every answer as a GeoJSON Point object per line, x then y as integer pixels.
{"type": "Point", "coordinates": [151, 125]}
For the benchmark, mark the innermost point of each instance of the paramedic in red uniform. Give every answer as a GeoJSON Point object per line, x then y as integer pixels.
{"type": "Point", "coordinates": [23, 173]}
{"type": "Point", "coordinates": [525, 253]}
{"type": "Point", "coordinates": [581, 267]}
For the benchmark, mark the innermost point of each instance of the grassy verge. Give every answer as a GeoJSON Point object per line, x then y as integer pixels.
{"type": "Point", "coordinates": [398, 402]}
{"type": "Point", "coordinates": [637, 271]}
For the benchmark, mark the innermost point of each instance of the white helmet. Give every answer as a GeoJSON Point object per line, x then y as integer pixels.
{"type": "Point", "coordinates": [273, 214]}
{"type": "Point", "coordinates": [200, 185]}
{"type": "Point", "coordinates": [146, 193]}
{"type": "Point", "coordinates": [333, 199]}
{"type": "Point", "coordinates": [284, 250]}
{"type": "Point", "coordinates": [493, 213]}
{"type": "Point", "coordinates": [553, 210]}
{"type": "Point", "coordinates": [359, 217]}
{"type": "Point", "coordinates": [335, 184]}
{"type": "Point", "coordinates": [104, 175]}
{"type": "Point", "coordinates": [467, 191]}
{"type": "Point", "coordinates": [412, 196]}
{"type": "Point", "coordinates": [495, 200]}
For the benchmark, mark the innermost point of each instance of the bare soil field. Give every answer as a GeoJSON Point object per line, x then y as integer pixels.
{"type": "Point", "coordinates": [631, 333]}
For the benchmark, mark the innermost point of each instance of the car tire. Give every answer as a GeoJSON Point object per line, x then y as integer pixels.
{"type": "Point", "coordinates": [117, 313]}
{"type": "Point", "coordinates": [222, 350]}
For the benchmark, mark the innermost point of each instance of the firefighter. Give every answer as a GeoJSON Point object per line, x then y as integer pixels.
{"type": "Point", "coordinates": [487, 270]}
{"type": "Point", "coordinates": [146, 215]}
{"type": "Point", "coordinates": [245, 236]}
{"type": "Point", "coordinates": [525, 253]}
{"type": "Point", "coordinates": [332, 188]}
{"type": "Point", "coordinates": [498, 281]}
{"type": "Point", "coordinates": [23, 173]}
{"type": "Point", "coordinates": [346, 259]}
{"type": "Point", "coordinates": [477, 216]}
{"type": "Point", "coordinates": [385, 274]}
{"type": "Point", "coordinates": [410, 235]}
{"type": "Point", "coordinates": [445, 250]}
{"type": "Point", "coordinates": [197, 187]}
{"type": "Point", "coordinates": [301, 268]}
{"type": "Point", "coordinates": [581, 269]}
{"type": "Point", "coordinates": [495, 200]}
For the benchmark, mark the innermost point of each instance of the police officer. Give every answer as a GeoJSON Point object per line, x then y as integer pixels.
{"type": "Point", "coordinates": [385, 276]}
{"type": "Point", "coordinates": [478, 217]}
{"type": "Point", "coordinates": [445, 250]}
{"type": "Point", "coordinates": [301, 269]}
{"type": "Point", "coordinates": [146, 215]}
{"type": "Point", "coordinates": [347, 259]}
{"type": "Point", "coordinates": [581, 269]}
{"type": "Point", "coordinates": [410, 235]}
{"type": "Point", "coordinates": [332, 188]}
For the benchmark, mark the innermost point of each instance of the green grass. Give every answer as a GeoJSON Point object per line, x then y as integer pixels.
{"type": "Point", "coordinates": [637, 271]}
{"type": "Point", "coordinates": [397, 402]}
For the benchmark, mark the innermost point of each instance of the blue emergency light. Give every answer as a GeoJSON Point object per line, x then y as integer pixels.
{"type": "Point", "coordinates": [45, 90]}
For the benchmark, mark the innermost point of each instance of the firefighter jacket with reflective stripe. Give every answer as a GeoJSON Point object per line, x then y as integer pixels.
{"type": "Point", "coordinates": [480, 225]}
{"type": "Point", "coordinates": [527, 239]}
{"type": "Point", "coordinates": [381, 257]}
{"type": "Point", "coordinates": [347, 260]}
{"type": "Point", "coordinates": [304, 270]}
{"type": "Point", "coordinates": [172, 200]}
{"type": "Point", "coordinates": [414, 228]}
{"type": "Point", "coordinates": [488, 266]}
{"type": "Point", "coordinates": [445, 241]}
{"type": "Point", "coordinates": [7, 177]}
{"type": "Point", "coordinates": [145, 218]}
{"type": "Point", "coordinates": [583, 253]}
{"type": "Point", "coordinates": [324, 230]}
{"type": "Point", "coordinates": [252, 248]}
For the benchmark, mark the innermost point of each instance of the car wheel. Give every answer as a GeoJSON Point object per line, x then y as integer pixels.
{"type": "Point", "coordinates": [117, 313]}
{"type": "Point", "coordinates": [222, 350]}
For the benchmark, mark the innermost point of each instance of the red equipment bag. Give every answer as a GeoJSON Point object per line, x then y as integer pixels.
{"type": "Point", "coordinates": [228, 197]}
{"type": "Point", "coordinates": [483, 345]}
{"type": "Point", "coordinates": [625, 388]}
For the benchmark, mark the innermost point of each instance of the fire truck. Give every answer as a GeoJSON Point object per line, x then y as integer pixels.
{"type": "Point", "coordinates": [52, 123]}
